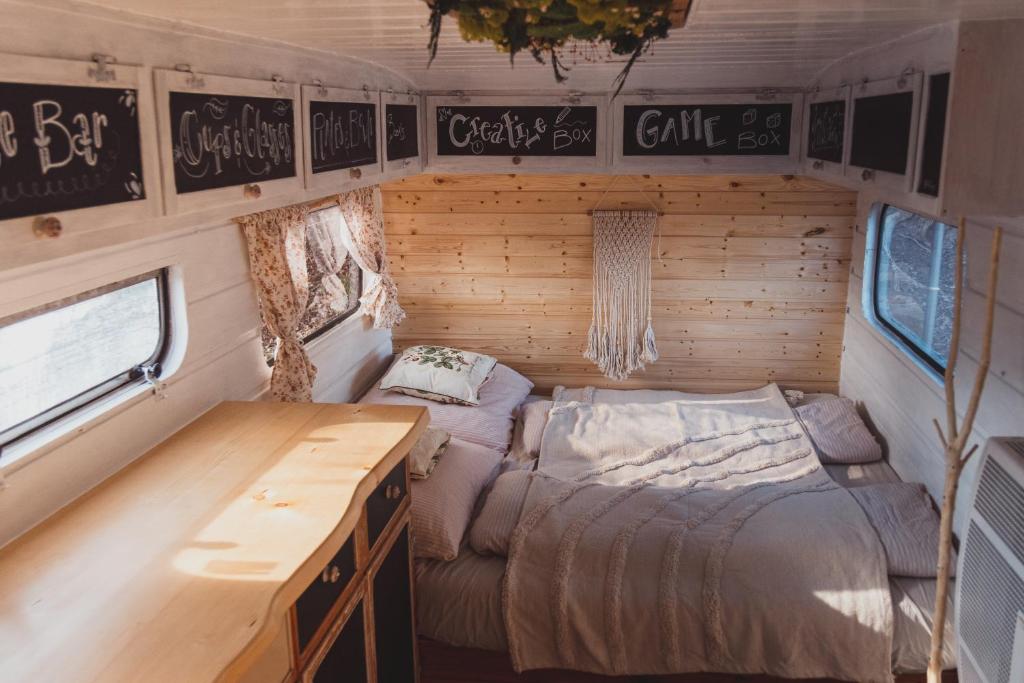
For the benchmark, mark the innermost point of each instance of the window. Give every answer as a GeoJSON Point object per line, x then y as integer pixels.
{"type": "Point", "coordinates": [909, 280]}
{"type": "Point", "coordinates": [61, 356]}
{"type": "Point", "coordinates": [335, 280]}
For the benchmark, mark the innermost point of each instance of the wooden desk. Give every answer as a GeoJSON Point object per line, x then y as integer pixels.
{"type": "Point", "coordinates": [184, 565]}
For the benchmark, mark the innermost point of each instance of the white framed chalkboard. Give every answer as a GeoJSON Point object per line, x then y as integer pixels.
{"type": "Point", "coordinates": [226, 140]}
{"type": "Point", "coordinates": [340, 136]}
{"type": "Point", "coordinates": [77, 143]}
{"type": "Point", "coordinates": [711, 132]}
{"type": "Point", "coordinates": [826, 135]}
{"type": "Point", "coordinates": [884, 122]}
{"type": "Point", "coordinates": [491, 133]}
{"type": "Point", "coordinates": [401, 132]}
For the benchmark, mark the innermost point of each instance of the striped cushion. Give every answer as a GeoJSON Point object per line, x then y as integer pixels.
{"type": "Point", "coordinates": [839, 434]}
{"type": "Point", "coordinates": [492, 530]}
{"type": "Point", "coordinates": [442, 504]}
{"type": "Point", "coordinates": [907, 525]}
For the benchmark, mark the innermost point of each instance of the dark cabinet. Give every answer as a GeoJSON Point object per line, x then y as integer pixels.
{"type": "Point", "coordinates": [384, 502]}
{"type": "Point", "coordinates": [316, 601]}
{"type": "Point", "coordinates": [392, 615]}
{"type": "Point", "coordinates": [345, 660]}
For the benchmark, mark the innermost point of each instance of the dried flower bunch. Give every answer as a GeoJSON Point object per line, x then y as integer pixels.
{"type": "Point", "coordinates": [544, 27]}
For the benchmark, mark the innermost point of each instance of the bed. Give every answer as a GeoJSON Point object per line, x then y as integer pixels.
{"type": "Point", "coordinates": [477, 617]}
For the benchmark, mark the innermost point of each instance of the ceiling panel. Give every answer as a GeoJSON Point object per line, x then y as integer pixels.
{"type": "Point", "coordinates": [726, 43]}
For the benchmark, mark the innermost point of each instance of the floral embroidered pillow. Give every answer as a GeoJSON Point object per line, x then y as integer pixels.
{"type": "Point", "coordinates": [439, 373]}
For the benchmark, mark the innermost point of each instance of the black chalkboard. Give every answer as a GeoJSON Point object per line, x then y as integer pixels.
{"type": "Point", "coordinates": [825, 130]}
{"type": "Point", "coordinates": [517, 131]}
{"type": "Point", "coordinates": [881, 132]}
{"type": "Point", "coordinates": [225, 140]}
{"type": "Point", "coordinates": [401, 124]}
{"type": "Point", "coordinates": [934, 135]}
{"type": "Point", "coordinates": [67, 147]}
{"type": "Point", "coordinates": [706, 129]}
{"type": "Point", "coordinates": [342, 135]}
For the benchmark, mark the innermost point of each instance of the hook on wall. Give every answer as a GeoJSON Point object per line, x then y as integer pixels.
{"type": "Point", "coordinates": [193, 80]}
{"type": "Point", "coordinates": [102, 72]}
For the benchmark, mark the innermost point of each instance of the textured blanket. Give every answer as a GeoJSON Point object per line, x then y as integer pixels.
{"type": "Point", "coordinates": [693, 535]}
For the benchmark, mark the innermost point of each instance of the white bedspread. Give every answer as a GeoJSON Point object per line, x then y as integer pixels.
{"type": "Point", "coordinates": [693, 535]}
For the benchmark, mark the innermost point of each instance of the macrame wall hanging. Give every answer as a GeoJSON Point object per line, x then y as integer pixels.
{"type": "Point", "coordinates": [621, 339]}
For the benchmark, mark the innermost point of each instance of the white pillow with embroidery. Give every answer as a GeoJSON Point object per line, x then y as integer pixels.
{"type": "Point", "coordinates": [439, 373]}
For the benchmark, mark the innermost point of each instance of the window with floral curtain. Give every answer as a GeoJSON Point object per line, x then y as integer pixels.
{"type": "Point", "coordinates": [335, 280]}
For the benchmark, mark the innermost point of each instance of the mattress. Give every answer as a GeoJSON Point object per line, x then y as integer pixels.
{"type": "Point", "coordinates": [459, 602]}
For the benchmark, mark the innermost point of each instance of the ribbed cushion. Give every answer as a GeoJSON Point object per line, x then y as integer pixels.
{"type": "Point", "coordinates": [533, 417]}
{"type": "Point", "coordinates": [493, 527]}
{"type": "Point", "coordinates": [488, 424]}
{"type": "Point", "coordinates": [442, 504]}
{"type": "Point", "coordinates": [907, 525]}
{"type": "Point", "coordinates": [839, 434]}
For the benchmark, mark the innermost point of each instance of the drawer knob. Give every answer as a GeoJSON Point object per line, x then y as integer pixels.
{"type": "Point", "coordinates": [252, 191]}
{"type": "Point", "coordinates": [330, 574]}
{"type": "Point", "coordinates": [47, 227]}
{"type": "Point", "coordinates": [355, 173]}
{"type": "Point", "coordinates": [392, 492]}
{"type": "Point", "coordinates": [867, 174]}
{"type": "Point", "coordinates": [818, 165]}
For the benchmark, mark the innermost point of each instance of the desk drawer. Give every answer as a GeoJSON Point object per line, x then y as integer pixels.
{"type": "Point", "coordinates": [316, 601]}
{"type": "Point", "coordinates": [384, 502]}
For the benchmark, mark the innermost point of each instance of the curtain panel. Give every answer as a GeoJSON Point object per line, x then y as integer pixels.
{"type": "Point", "coordinates": [363, 236]}
{"type": "Point", "coordinates": [277, 259]}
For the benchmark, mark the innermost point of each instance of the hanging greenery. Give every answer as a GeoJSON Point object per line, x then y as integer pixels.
{"type": "Point", "coordinates": [543, 28]}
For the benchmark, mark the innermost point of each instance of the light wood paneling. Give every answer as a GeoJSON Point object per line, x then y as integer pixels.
{"type": "Point", "coordinates": [750, 273]}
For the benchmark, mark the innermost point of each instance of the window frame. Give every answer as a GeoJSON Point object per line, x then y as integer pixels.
{"type": "Point", "coordinates": [870, 294]}
{"type": "Point", "coordinates": [132, 376]}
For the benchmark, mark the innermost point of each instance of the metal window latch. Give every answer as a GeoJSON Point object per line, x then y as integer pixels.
{"type": "Point", "coordinates": [278, 85]}
{"type": "Point", "coordinates": [149, 376]}
{"type": "Point", "coordinates": [102, 71]}
{"type": "Point", "coordinates": [320, 89]}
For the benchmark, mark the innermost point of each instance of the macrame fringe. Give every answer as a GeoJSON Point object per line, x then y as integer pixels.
{"type": "Point", "coordinates": [621, 336]}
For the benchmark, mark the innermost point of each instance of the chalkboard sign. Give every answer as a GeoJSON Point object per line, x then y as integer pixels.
{"type": "Point", "coordinates": [225, 140]}
{"type": "Point", "coordinates": [67, 147]}
{"type": "Point", "coordinates": [534, 131]}
{"type": "Point", "coordinates": [826, 121]}
{"type": "Point", "coordinates": [342, 135]}
{"type": "Point", "coordinates": [934, 135]}
{"type": "Point", "coordinates": [881, 132]}
{"type": "Point", "coordinates": [401, 124]}
{"type": "Point", "coordinates": [706, 129]}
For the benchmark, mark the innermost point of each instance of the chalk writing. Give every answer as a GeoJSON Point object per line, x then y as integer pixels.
{"type": "Point", "coordinates": [825, 130]}
{"type": "Point", "coordinates": [342, 135]}
{"type": "Point", "coordinates": [402, 125]}
{"type": "Point", "coordinates": [717, 129]}
{"type": "Point", "coordinates": [517, 131]}
{"type": "Point", "coordinates": [67, 147]}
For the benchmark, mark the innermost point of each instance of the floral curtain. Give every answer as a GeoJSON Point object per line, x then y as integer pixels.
{"type": "Point", "coordinates": [363, 235]}
{"type": "Point", "coordinates": [277, 259]}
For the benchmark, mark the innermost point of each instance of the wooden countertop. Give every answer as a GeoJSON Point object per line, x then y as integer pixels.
{"type": "Point", "coordinates": [180, 567]}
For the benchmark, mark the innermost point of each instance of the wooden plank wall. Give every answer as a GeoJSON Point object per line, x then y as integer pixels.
{"type": "Point", "coordinates": [750, 274]}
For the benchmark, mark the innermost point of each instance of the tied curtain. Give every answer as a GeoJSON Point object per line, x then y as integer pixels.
{"type": "Point", "coordinates": [363, 235]}
{"type": "Point", "coordinates": [325, 246]}
{"type": "Point", "coordinates": [277, 259]}
{"type": "Point", "coordinates": [621, 338]}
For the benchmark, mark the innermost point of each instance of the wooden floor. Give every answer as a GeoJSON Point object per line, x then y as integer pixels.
{"type": "Point", "coordinates": [440, 663]}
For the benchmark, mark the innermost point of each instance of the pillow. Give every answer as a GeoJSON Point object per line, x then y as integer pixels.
{"type": "Point", "coordinates": [439, 373]}
{"type": "Point", "coordinates": [428, 450]}
{"type": "Point", "coordinates": [489, 424]}
{"type": "Point", "coordinates": [442, 504]}
{"type": "Point", "coordinates": [533, 417]}
{"type": "Point", "coordinates": [839, 435]}
{"type": "Point", "coordinates": [492, 530]}
{"type": "Point", "coordinates": [907, 525]}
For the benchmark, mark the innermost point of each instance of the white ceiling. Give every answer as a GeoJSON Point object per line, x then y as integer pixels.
{"type": "Point", "coordinates": [726, 43]}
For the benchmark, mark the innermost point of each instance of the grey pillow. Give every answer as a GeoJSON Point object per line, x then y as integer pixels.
{"type": "Point", "coordinates": [907, 525]}
{"type": "Point", "coordinates": [493, 527]}
{"type": "Point", "coordinates": [442, 504]}
{"type": "Point", "coordinates": [839, 435]}
{"type": "Point", "coordinates": [533, 417]}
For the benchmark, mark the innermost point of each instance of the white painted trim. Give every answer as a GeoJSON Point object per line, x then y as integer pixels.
{"type": "Point", "coordinates": [707, 164]}
{"type": "Point", "coordinates": [552, 164]}
{"type": "Point", "coordinates": [37, 70]}
{"type": "Point", "coordinates": [178, 81]}
{"type": "Point", "coordinates": [820, 168]}
{"type": "Point", "coordinates": [340, 179]}
{"type": "Point", "coordinates": [900, 84]}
